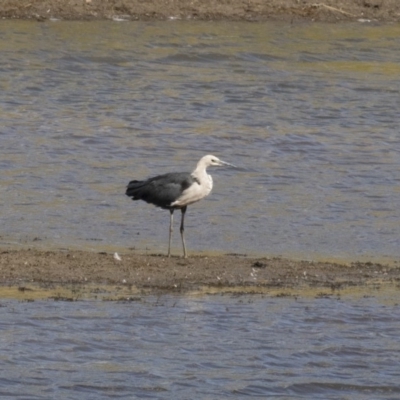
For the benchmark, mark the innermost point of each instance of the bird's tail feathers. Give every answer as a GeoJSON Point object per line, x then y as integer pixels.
{"type": "Point", "coordinates": [133, 189]}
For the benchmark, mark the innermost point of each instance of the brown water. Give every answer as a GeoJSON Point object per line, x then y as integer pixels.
{"type": "Point", "coordinates": [212, 347]}
{"type": "Point", "coordinates": [309, 112]}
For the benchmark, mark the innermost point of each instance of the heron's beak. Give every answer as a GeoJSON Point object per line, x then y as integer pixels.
{"type": "Point", "coordinates": [226, 163]}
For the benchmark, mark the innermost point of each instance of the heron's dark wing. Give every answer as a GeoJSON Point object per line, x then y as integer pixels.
{"type": "Point", "coordinates": [162, 190]}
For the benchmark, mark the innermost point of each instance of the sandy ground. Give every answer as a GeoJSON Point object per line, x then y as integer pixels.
{"type": "Point", "coordinates": [73, 275]}
{"type": "Point", "coordinates": [250, 10]}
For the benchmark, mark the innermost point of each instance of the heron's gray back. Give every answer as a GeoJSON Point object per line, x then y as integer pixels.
{"type": "Point", "coordinates": [162, 190]}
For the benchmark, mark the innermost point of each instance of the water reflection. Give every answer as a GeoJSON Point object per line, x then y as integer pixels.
{"type": "Point", "coordinates": [310, 111]}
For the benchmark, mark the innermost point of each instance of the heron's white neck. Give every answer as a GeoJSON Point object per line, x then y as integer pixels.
{"type": "Point", "coordinates": [200, 173]}
{"type": "Point", "coordinates": [199, 189]}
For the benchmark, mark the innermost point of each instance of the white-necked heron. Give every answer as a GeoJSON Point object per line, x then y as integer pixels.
{"type": "Point", "coordinates": [176, 190]}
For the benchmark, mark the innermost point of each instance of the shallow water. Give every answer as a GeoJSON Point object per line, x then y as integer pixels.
{"type": "Point", "coordinates": [309, 112]}
{"type": "Point", "coordinates": [214, 347]}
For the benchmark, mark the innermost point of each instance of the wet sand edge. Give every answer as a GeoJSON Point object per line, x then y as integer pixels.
{"type": "Point", "coordinates": [231, 10]}
{"type": "Point", "coordinates": [77, 275]}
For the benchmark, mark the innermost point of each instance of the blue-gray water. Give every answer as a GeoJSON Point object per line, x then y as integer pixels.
{"type": "Point", "coordinates": [310, 113]}
{"type": "Point", "coordinates": [212, 347]}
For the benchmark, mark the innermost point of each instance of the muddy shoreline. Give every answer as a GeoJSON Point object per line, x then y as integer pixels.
{"type": "Point", "coordinates": [231, 10]}
{"type": "Point", "coordinates": [74, 275]}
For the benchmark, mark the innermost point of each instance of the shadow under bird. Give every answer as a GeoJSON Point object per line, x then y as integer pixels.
{"type": "Point", "coordinates": [176, 190]}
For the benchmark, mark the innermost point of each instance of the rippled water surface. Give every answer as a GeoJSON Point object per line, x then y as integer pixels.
{"type": "Point", "coordinates": [207, 348]}
{"type": "Point", "coordinates": [310, 113]}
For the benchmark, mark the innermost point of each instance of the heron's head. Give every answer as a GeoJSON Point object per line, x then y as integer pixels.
{"type": "Point", "coordinates": [210, 160]}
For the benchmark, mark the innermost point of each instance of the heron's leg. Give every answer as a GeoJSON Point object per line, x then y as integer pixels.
{"type": "Point", "coordinates": [183, 210]}
{"type": "Point", "coordinates": [171, 220]}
